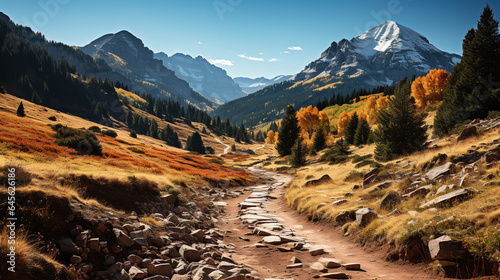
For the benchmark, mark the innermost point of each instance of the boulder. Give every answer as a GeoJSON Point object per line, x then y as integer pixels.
{"type": "Point", "coordinates": [384, 185]}
{"type": "Point", "coordinates": [68, 246]}
{"type": "Point", "coordinates": [492, 156]}
{"type": "Point", "coordinates": [164, 269]}
{"type": "Point", "coordinates": [223, 265]}
{"type": "Point", "coordinates": [391, 200]}
{"type": "Point", "coordinates": [189, 253]}
{"type": "Point", "coordinates": [419, 192]}
{"type": "Point", "coordinates": [122, 239]}
{"type": "Point", "coordinates": [370, 177]}
{"type": "Point", "coordinates": [468, 132]}
{"type": "Point", "coordinates": [444, 248]}
{"type": "Point", "coordinates": [445, 188]}
{"type": "Point", "coordinates": [168, 198]}
{"type": "Point", "coordinates": [136, 273]}
{"type": "Point", "coordinates": [438, 171]}
{"type": "Point", "coordinates": [323, 180]}
{"type": "Point", "coordinates": [449, 198]}
{"type": "Point", "coordinates": [345, 216]}
{"type": "Point", "coordinates": [364, 216]}
{"type": "Point", "coordinates": [339, 202]}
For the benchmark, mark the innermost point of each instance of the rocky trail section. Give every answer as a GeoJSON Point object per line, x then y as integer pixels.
{"type": "Point", "coordinates": [281, 244]}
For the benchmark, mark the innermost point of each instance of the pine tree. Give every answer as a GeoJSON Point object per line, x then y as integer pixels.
{"type": "Point", "coordinates": [471, 91]}
{"type": "Point", "coordinates": [319, 140]}
{"type": "Point", "coordinates": [299, 153]}
{"type": "Point", "coordinates": [288, 133]}
{"type": "Point", "coordinates": [20, 110]}
{"type": "Point", "coordinates": [351, 129]}
{"type": "Point", "coordinates": [362, 133]}
{"type": "Point", "coordinates": [401, 130]}
{"type": "Point", "coordinates": [195, 143]}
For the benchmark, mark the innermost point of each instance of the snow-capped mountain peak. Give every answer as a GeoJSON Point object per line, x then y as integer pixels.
{"type": "Point", "coordinates": [386, 52]}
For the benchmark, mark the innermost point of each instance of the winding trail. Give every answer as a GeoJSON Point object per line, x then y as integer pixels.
{"type": "Point", "coordinates": [271, 263]}
{"type": "Point", "coordinates": [226, 149]}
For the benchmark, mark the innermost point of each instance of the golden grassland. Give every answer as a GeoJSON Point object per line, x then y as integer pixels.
{"type": "Point", "coordinates": [472, 220]}
{"type": "Point", "coordinates": [28, 141]}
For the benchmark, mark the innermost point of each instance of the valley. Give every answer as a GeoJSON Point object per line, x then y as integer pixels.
{"type": "Point", "coordinates": [130, 157]}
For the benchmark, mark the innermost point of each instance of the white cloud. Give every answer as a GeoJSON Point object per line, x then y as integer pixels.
{"type": "Point", "coordinates": [221, 62]}
{"type": "Point", "coordinates": [273, 59]}
{"type": "Point", "coordinates": [251, 58]}
{"type": "Point", "coordinates": [296, 48]}
{"type": "Point", "coordinates": [286, 52]}
{"type": "Point", "coordinates": [261, 53]}
{"type": "Point", "coordinates": [199, 43]}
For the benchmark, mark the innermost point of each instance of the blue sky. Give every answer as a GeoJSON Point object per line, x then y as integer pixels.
{"type": "Point", "coordinates": [248, 38]}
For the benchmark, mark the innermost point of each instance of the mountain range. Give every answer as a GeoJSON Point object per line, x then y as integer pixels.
{"type": "Point", "coordinates": [379, 56]}
{"type": "Point", "coordinates": [251, 85]}
{"type": "Point", "coordinates": [204, 77]}
{"type": "Point", "coordinates": [127, 55]}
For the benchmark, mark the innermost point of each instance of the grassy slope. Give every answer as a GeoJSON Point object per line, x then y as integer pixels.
{"type": "Point", "coordinates": [28, 142]}
{"type": "Point", "coordinates": [472, 220]}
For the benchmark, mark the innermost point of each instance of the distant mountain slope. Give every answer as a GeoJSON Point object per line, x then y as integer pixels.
{"type": "Point", "coordinates": [208, 79]}
{"type": "Point", "coordinates": [380, 56]}
{"type": "Point", "coordinates": [127, 55]}
{"type": "Point", "coordinates": [32, 73]}
{"type": "Point", "coordinates": [250, 85]}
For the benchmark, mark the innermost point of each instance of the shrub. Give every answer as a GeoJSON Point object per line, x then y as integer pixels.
{"type": "Point", "coordinates": [94, 129]}
{"type": "Point", "coordinates": [133, 134]}
{"type": "Point", "coordinates": [84, 141]}
{"type": "Point", "coordinates": [338, 153]}
{"type": "Point", "coordinates": [2, 90]}
{"type": "Point", "coordinates": [110, 133]}
{"type": "Point", "coordinates": [354, 176]}
{"type": "Point", "coordinates": [52, 118]}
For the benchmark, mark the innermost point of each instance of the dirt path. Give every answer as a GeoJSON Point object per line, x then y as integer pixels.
{"type": "Point", "coordinates": [226, 149]}
{"type": "Point", "coordinates": [271, 263]}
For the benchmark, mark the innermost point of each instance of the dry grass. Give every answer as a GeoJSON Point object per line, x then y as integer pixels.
{"type": "Point", "coordinates": [30, 263]}
{"type": "Point", "coordinates": [470, 218]}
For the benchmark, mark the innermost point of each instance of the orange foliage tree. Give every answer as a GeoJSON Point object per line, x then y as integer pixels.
{"type": "Point", "coordinates": [418, 92]}
{"type": "Point", "coordinates": [310, 120]}
{"type": "Point", "coordinates": [382, 103]}
{"type": "Point", "coordinates": [272, 137]}
{"type": "Point", "coordinates": [342, 122]}
{"type": "Point", "coordinates": [429, 89]}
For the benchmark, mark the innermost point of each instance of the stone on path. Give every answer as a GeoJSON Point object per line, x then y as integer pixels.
{"type": "Point", "coordinates": [317, 252]}
{"type": "Point", "coordinates": [295, 265]}
{"type": "Point", "coordinates": [189, 253]}
{"type": "Point", "coordinates": [330, 263]}
{"type": "Point", "coordinates": [319, 267]}
{"type": "Point", "coordinates": [352, 266]}
{"type": "Point", "coordinates": [334, 275]}
{"type": "Point", "coordinates": [273, 239]}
